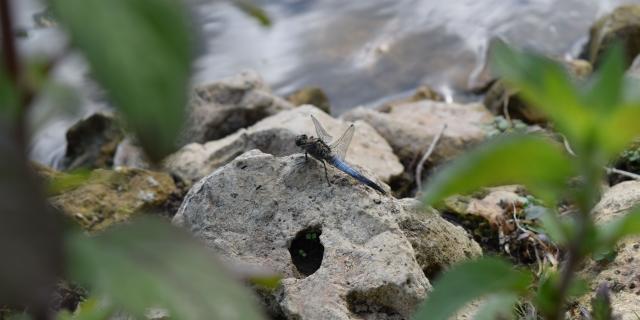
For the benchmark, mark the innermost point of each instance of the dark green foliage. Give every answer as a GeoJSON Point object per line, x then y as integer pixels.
{"type": "Point", "coordinates": [149, 264]}
{"type": "Point", "coordinates": [598, 118]}
{"type": "Point", "coordinates": [141, 52]}
{"type": "Point", "coordinates": [468, 281]}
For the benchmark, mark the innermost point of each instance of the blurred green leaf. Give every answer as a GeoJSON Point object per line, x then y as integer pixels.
{"type": "Point", "coordinates": [604, 92]}
{"type": "Point", "coordinates": [619, 129]}
{"type": "Point", "coordinates": [269, 283]}
{"type": "Point", "coordinates": [613, 231]}
{"type": "Point", "coordinates": [558, 230]}
{"type": "Point", "coordinates": [497, 307]}
{"type": "Point", "coordinates": [601, 304]}
{"type": "Point", "coordinates": [547, 295]}
{"type": "Point", "coordinates": [253, 10]}
{"type": "Point", "coordinates": [9, 104]}
{"type": "Point", "coordinates": [514, 159]}
{"type": "Point", "coordinates": [468, 281]}
{"type": "Point", "coordinates": [152, 264]}
{"type": "Point", "coordinates": [141, 52]}
{"type": "Point", "coordinates": [546, 85]}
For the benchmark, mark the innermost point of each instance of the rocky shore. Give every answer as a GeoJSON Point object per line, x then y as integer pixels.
{"type": "Point", "coordinates": [344, 251]}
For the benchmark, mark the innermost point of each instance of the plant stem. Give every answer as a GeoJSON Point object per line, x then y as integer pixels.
{"type": "Point", "coordinates": [9, 56]}
{"type": "Point", "coordinates": [11, 65]}
{"type": "Point", "coordinates": [585, 200]}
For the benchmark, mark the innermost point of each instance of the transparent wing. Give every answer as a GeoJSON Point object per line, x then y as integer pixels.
{"type": "Point", "coordinates": [340, 146]}
{"type": "Point", "coordinates": [322, 133]}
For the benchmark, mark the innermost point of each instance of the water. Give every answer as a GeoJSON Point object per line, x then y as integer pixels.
{"type": "Point", "coordinates": [359, 52]}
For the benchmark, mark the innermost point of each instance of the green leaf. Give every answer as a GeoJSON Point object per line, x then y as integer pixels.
{"type": "Point", "coordinates": [152, 264]}
{"type": "Point", "coordinates": [619, 129]}
{"type": "Point", "coordinates": [516, 159]}
{"type": "Point", "coordinates": [558, 230]}
{"type": "Point", "coordinates": [604, 92]}
{"type": "Point", "coordinates": [254, 11]}
{"type": "Point", "coordinates": [498, 306]}
{"type": "Point", "coordinates": [601, 304]}
{"type": "Point", "coordinates": [546, 85]}
{"type": "Point", "coordinates": [9, 104]}
{"type": "Point", "coordinates": [140, 51]}
{"type": "Point", "coordinates": [613, 231]}
{"type": "Point", "coordinates": [468, 281]}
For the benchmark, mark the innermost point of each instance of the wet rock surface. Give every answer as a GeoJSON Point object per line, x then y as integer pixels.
{"type": "Point", "coordinates": [224, 107]}
{"type": "Point", "coordinates": [344, 250]}
{"type": "Point", "coordinates": [276, 135]}
{"type": "Point", "coordinates": [106, 197]}
{"type": "Point", "coordinates": [622, 274]}
{"type": "Point", "coordinates": [410, 128]}
{"type": "Point", "coordinates": [92, 142]}
{"type": "Point", "coordinates": [623, 25]}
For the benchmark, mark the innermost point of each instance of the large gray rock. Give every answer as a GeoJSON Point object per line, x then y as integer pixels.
{"type": "Point", "coordinates": [622, 275]}
{"type": "Point", "coordinates": [344, 251]}
{"type": "Point", "coordinates": [621, 25]}
{"type": "Point", "coordinates": [410, 128]}
{"type": "Point", "coordinates": [276, 135]}
{"type": "Point", "coordinates": [92, 142]}
{"type": "Point", "coordinates": [222, 108]}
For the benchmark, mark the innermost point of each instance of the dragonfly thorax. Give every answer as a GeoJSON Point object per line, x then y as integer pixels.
{"type": "Point", "coordinates": [314, 146]}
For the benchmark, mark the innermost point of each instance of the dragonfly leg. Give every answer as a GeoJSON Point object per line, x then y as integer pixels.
{"type": "Point", "coordinates": [326, 175]}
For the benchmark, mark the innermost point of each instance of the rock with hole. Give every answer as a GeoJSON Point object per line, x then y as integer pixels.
{"type": "Point", "coordinates": [620, 272]}
{"type": "Point", "coordinates": [344, 250]}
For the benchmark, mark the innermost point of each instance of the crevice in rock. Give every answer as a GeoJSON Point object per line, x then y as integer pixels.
{"type": "Point", "coordinates": [307, 251]}
{"type": "Point", "coordinates": [369, 304]}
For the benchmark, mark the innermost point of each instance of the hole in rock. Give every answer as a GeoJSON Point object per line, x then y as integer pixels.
{"type": "Point", "coordinates": [306, 250]}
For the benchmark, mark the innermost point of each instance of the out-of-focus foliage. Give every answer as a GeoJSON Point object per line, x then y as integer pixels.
{"type": "Point", "coordinates": [598, 119]}
{"type": "Point", "coordinates": [30, 234]}
{"type": "Point", "coordinates": [8, 99]}
{"type": "Point", "coordinates": [497, 306]}
{"type": "Point", "coordinates": [140, 51]}
{"type": "Point", "coordinates": [505, 160]}
{"type": "Point", "coordinates": [254, 11]}
{"type": "Point", "coordinates": [468, 281]}
{"type": "Point", "coordinates": [152, 264]}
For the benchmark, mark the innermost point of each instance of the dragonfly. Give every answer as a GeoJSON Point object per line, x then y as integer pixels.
{"type": "Point", "coordinates": [333, 153]}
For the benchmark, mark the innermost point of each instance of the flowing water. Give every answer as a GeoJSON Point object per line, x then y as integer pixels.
{"type": "Point", "coordinates": [359, 52]}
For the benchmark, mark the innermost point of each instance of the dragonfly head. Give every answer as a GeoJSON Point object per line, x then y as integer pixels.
{"type": "Point", "coordinates": [302, 140]}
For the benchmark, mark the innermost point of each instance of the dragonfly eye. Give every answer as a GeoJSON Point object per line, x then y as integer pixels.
{"type": "Point", "coordinates": [301, 140]}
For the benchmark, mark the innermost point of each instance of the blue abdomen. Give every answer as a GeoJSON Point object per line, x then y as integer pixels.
{"type": "Point", "coordinates": [344, 167]}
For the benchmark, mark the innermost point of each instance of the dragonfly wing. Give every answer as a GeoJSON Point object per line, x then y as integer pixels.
{"type": "Point", "coordinates": [322, 133]}
{"type": "Point", "coordinates": [340, 146]}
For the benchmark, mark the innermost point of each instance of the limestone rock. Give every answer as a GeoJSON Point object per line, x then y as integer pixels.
{"type": "Point", "coordinates": [111, 196]}
{"type": "Point", "coordinates": [276, 135]}
{"type": "Point", "coordinates": [622, 274]}
{"type": "Point", "coordinates": [410, 128]}
{"type": "Point", "coordinates": [92, 142]}
{"type": "Point", "coordinates": [344, 251]}
{"type": "Point", "coordinates": [222, 108]}
{"type": "Point", "coordinates": [623, 24]}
